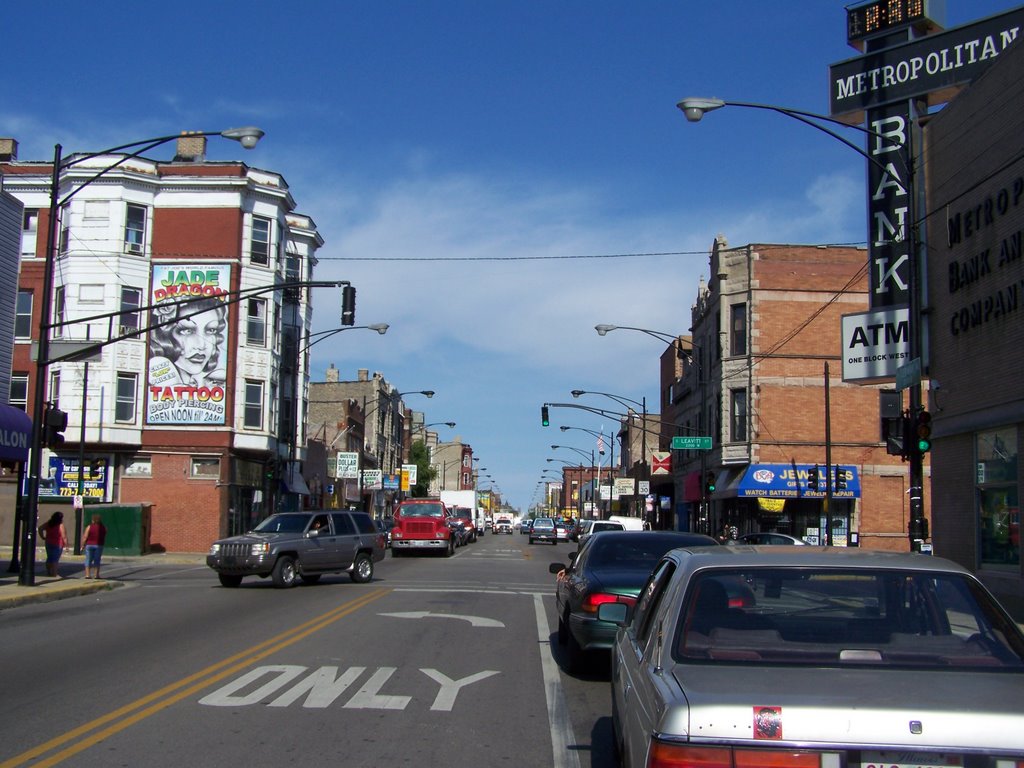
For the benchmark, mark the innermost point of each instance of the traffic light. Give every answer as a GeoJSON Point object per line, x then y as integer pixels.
{"type": "Point", "coordinates": [348, 305]}
{"type": "Point", "coordinates": [840, 478]}
{"type": "Point", "coordinates": [55, 421]}
{"type": "Point", "coordinates": [709, 483]}
{"type": "Point", "coordinates": [812, 478]}
{"type": "Point", "coordinates": [923, 432]}
{"type": "Point", "coordinates": [544, 420]}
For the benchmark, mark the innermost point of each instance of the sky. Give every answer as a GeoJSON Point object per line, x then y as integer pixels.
{"type": "Point", "coordinates": [495, 178]}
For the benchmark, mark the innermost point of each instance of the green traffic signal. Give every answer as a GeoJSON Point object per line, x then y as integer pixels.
{"type": "Point", "coordinates": [924, 432]}
{"type": "Point", "coordinates": [544, 420]}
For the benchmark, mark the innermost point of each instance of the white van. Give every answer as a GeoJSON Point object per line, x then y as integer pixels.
{"type": "Point", "coordinates": [631, 523]}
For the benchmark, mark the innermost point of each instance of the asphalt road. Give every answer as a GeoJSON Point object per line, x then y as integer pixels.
{"type": "Point", "coordinates": [436, 662]}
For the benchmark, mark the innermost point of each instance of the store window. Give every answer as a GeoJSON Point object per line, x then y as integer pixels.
{"type": "Point", "coordinates": [998, 505]}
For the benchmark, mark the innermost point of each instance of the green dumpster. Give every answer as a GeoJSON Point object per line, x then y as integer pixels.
{"type": "Point", "coordinates": [127, 527]}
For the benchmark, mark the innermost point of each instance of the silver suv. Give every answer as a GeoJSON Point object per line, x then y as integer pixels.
{"type": "Point", "coordinates": [290, 546]}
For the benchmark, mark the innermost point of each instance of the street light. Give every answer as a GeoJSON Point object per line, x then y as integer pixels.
{"type": "Point", "coordinates": [603, 329]}
{"type": "Point", "coordinates": [380, 328]}
{"type": "Point", "coordinates": [247, 137]}
{"type": "Point", "coordinates": [695, 107]}
{"type": "Point", "coordinates": [624, 401]}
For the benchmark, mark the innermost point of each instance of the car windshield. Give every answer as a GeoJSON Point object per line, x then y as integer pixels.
{"type": "Point", "coordinates": [283, 524]}
{"type": "Point", "coordinates": [839, 617]}
{"type": "Point", "coordinates": [422, 510]}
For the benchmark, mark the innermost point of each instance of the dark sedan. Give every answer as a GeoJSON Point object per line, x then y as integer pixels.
{"type": "Point", "coordinates": [609, 568]}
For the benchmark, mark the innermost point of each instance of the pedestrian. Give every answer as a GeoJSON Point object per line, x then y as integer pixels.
{"type": "Point", "coordinates": [92, 540]}
{"type": "Point", "coordinates": [56, 539]}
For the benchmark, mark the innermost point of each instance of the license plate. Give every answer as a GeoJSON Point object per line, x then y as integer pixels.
{"type": "Point", "coordinates": [909, 760]}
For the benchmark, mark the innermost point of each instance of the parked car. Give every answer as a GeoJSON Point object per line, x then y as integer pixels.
{"type": "Point", "coordinates": [384, 525]}
{"type": "Point", "coordinates": [561, 531]}
{"type": "Point", "coordinates": [466, 516]}
{"type": "Point", "coordinates": [543, 529]}
{"type": "Point", "coordinates": [525, 524]}
{"type": "Point", "coordinates": [459, 531]}
{"type": "Point", "coordinates": [582, 527]}
{"type": "Point", "coordinates": [845, 657]}
{"type": "Point", "coordinates": [597, 526]}
{"type": "Point", "coordinates": [610, 567]}
{"type": "Point", "coordinates": [770, 538]}
{"type": "Point", "coordinates": [290, 546]}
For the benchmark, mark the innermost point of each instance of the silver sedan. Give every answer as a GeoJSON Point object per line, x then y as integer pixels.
{"type": "Point", "coordinates": [808, 657]}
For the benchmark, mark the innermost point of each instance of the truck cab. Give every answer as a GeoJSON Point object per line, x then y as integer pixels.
{"type": "Point", "coordinates": [422, 525]}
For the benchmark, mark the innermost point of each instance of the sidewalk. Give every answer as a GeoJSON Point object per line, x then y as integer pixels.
{"type": "Point", "coordinates": [71, 581]}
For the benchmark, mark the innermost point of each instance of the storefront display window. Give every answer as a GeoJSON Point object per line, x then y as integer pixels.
{"type": "Point", "coordinates": [998, 507]}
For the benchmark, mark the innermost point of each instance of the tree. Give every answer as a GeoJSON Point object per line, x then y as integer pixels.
{"type": "Point", "coordinates": [425, 474]}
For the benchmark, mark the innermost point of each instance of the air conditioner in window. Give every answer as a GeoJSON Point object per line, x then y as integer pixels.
{"type": "Point", "coordinates": [135, 248]}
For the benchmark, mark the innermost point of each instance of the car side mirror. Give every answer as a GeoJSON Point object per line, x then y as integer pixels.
{"type": "Point", "coordinates": [556, 568]}
{"type": "Point", "coordinates": [313, 533]}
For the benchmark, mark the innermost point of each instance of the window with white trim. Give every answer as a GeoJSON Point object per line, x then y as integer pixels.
{"type": "Point", "coordinates": [205, 467]}
{"type": "Point", "coordinates": [19, 391]}
{"type": "Point", "coordinates": [124, 398]}
{"type": "Point", "coordinates": [259, 249]}
{"type": "Point", "coordinates": [253, 414]}
{"type": "Point", "coordinates": [23, 315]}
{"type": "Point", "coordinates": [131, 300]}
{"type": "Point", "coordinates": [59, 311]}
{"type": "Point", "coordinates": [135, 229]}
{"type": "Point", "coordinates": [256, 322]}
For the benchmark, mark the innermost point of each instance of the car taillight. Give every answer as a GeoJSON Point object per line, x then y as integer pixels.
{"type": "Point", "coordinates": [667, 755]}
{"type": "Point", "coordinates": [591, 602]}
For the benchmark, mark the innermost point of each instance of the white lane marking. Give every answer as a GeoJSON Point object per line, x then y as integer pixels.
{"type": "Point", "coordinates": [563, 739]}
{"type": "Point", "coordinates": [450, 688]}
{"type": "Point", "coordinates": [476, 621]}
{"type": "Point", "coordinates": [323, 686]}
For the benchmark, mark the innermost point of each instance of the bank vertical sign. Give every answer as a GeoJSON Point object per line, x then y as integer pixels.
{"type": "Point", "coordinates": [889, 84]}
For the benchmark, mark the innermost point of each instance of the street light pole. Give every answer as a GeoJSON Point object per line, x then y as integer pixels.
{"type": "Point", "coordinates": [694, 108]}
{"type": "Point", "coordinates": [248, 137]}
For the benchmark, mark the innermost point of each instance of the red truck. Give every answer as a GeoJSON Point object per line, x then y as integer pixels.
{"type": "Point", "coordinates": [422, 525]}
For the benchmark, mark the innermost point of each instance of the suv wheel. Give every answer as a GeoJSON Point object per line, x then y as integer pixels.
{"type": "Point", "coordinates": [284, 574]}
{"type": "Point", "coordinates": [362, 569]}
{"type": "Point", "coordinates": [227, 580]}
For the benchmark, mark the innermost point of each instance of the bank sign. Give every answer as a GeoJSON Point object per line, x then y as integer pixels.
{"type": "Point", "coordinates": [875, 344]}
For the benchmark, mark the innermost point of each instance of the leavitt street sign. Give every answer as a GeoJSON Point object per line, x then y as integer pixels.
{"type": "Point", "coordinates": [691, 443]}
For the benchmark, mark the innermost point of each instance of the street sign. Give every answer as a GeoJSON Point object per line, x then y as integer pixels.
{"type": "Point", "coordinates": [909, 374]}
{"type": "Point", "coordinates": [691, 443]}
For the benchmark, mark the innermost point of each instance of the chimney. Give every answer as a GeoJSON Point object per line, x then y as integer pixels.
{"type": "Point", "coordinates": [190, 149]}
{"type": "Point", "coordinates": [8, 150]}
{"type": "Point", "coordinates": [331, 375]}
{"type": "Point", "coordinates": [364, 374]}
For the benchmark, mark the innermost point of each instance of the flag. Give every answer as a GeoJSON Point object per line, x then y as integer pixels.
{"type": "Point", "coordinates": [600, 444]}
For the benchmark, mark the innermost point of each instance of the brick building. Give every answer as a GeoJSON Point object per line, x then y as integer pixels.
{"type": "Point", "coordinates": [975, 302]}
{"type": "Point", "coordinates": [753, 378]}
{"type": "Point", "coordinates": [193, 411]}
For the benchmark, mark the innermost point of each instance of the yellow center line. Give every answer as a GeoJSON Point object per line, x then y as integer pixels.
{"type": "Point", "coordinates": [187, 686]}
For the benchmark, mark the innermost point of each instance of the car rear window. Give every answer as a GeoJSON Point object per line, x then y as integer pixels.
{"type": "Point", "coordinates": [839, 617]}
